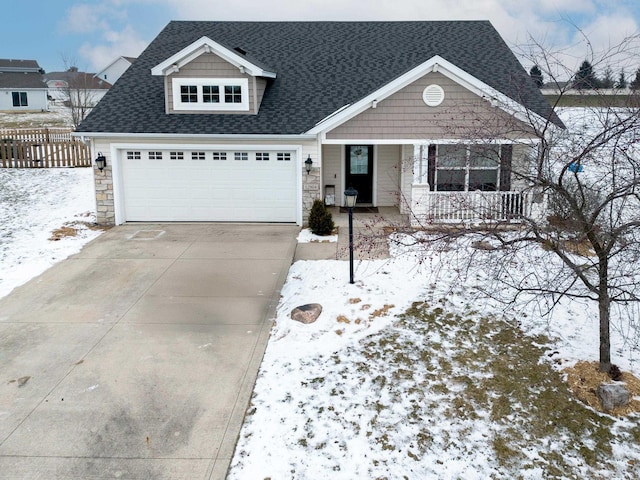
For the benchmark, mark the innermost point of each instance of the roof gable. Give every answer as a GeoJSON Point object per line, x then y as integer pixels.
{"type": "Point", "coordinates": [206, 45]}
{"type": "Point", "coordinates": [435, 64]}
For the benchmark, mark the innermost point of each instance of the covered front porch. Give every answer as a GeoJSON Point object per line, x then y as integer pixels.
{"type": "Point", "coordinates": [432, 183]}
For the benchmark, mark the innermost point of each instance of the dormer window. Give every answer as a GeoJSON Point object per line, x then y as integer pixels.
{"type": "Point", "coordinates": [217, 94]}
{"type": "Point", "coordinates": [188, 94]}
{"type": "Point", "coordinates": [211, 94]}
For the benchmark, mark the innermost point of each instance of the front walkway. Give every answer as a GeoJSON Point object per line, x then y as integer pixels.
{"type": "Point", "coordinates": [370, 232]}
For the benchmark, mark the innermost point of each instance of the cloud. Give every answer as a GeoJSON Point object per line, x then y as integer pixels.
{"type": "Point", "coordinates": [116, 43]}
{"type": "Point", "coordinates": [107, 24]}
{"type": "Point", "coordinates": [82, 18]}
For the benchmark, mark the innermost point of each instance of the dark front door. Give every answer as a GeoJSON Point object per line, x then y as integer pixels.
{"type": "Point", "coordinates": [359, 174]}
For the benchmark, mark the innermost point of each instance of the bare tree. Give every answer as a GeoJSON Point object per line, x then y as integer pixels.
{"type": "Point", "coordinates": [78, 91]}
{"type": "Point", "coordinates": [589, 178]}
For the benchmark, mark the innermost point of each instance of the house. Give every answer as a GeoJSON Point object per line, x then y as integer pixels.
{"type": "Point", "coordinates": [252, 121]}
{"type": "Point", "coordinates": [82, 88]}
{"type": "Point", "coordinates": [115, 69]}
{"type": "Point", "coordinates": [22, 88]}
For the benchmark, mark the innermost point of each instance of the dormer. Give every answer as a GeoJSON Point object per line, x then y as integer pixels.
{"type": "Point", "coordinates": [207, 77]}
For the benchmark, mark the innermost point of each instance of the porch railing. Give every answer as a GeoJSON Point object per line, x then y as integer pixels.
{"type": "Point", "coordinates": [460, 207]}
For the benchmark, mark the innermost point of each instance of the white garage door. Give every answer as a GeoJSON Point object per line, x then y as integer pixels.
{"type": "Point", "coordinates": [239, 185]}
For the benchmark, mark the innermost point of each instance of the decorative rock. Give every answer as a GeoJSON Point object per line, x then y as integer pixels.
{"type": "Point", "coordinates": [306, 314]}
{"type": "Point", "coordinates": [612, 395]}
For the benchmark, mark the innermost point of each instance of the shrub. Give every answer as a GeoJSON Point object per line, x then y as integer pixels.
{"type": "Point", "coordinates": [320, 219]}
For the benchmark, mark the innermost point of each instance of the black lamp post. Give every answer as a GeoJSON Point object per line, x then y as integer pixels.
{"type": "Point", "coordinates": [101, 161]}
{"type": "Point", "coordinates": [350, 196]}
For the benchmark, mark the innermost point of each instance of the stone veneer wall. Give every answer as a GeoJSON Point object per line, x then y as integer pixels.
{"type": "Point", "coordinates": [105, 210]}
{"type": "Point", "coordinates": [310, 191]}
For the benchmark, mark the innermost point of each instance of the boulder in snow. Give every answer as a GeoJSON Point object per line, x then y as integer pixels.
{"type": "Point", "coordinates": [306, 314]}
{"type": "Point", "coordinates": [613, 395]}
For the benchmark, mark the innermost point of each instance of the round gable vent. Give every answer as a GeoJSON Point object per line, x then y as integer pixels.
{"type": "Point", "coordinates": [433, 95]}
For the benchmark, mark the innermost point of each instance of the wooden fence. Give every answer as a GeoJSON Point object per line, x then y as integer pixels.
{"type": "Point", "coordinates": [42, 148]}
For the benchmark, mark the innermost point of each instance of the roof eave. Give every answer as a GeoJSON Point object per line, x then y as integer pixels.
{"type": "Point", "coordinates": [196, 136]}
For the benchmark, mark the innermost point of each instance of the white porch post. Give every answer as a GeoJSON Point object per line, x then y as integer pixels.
{"type": "Point", "coordinates": [420, 164]}
{"type": "Point", "coordinates": [420, 187]}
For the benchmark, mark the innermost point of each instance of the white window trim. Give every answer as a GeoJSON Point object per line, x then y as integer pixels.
{"type": "Point", "coordinates": [178, 105]}
{"type": "Point", "coordinates": [466, 168]}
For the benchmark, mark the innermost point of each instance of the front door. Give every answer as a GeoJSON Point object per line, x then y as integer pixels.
{"type": "Point", "coordinates": [359, 174]}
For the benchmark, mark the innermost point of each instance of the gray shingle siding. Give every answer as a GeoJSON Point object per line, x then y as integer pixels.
{"type": "Point", "coordinates": [320, 66]}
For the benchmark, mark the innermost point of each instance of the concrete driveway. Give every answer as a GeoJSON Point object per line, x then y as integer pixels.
{"type": "Point", "coordinates": [136, 358]}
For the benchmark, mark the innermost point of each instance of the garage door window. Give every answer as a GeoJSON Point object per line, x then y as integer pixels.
{"type": "Point", "coordinates": [176, 155]}
{"type": "Point", "coordinates": [155, 155]}
{"type": "Point", "coordinates": [220, 156]}
{"type": "Point", "coordinates": [284, 157]}
{"type": "Point", "coordinates": [241, 156]}
{"type": "Point", "coordinates": [262, 156]}
{"type": "Point", "coordinates": [133, 156]}
{"type": "Point", "coordinates": [197, 156]}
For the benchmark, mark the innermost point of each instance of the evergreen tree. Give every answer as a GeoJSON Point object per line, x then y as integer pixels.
{"type": "Point", "coordinates": [320, 219]}
{"type": "Point", "coordinates": [622, 80]}
{"type": "Point", "coordinates": [585, 77]}
{"type": "Point", "coordinates": [607, 78]}
{"type": "Point", "coordinates": [635, 83]}
{"type": "Point", "coordinates": [536, 74]}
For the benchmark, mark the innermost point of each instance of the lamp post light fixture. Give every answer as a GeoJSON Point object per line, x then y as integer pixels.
{"type": "Point", "coordinates": [101, 161]}
{"type": "Point", "coordinates": [350, 196]}
{"type": "Point", "coordinates": [307, 164]}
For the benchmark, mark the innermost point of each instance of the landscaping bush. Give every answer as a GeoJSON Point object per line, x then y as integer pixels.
{"type": "Point", "coordinates": [320, 219]}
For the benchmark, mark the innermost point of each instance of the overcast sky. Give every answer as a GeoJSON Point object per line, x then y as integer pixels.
{"type": "Point", "coordinates": [93, 33]}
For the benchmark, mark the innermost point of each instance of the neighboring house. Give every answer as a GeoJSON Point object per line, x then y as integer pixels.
{"type": "Point", "coordinates": [85, 88]}
{"type": "Point", "coordinates": [217, 121]}
{"type": "Point", "coordinates": [115, 69]}
{"type": "Point", "coordinates": [22, 88]}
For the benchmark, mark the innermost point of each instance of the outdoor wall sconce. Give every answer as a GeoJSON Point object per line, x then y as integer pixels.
{"type": "Point", "coordinates": [307, 164]}
{"type": "Point", "coordinates": [101, 161]}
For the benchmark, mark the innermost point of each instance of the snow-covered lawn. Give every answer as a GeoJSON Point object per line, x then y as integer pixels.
{"type": "Point", "coordinates": [58, 116]}
{"type": "Point", "coordinates": [33, 204]}
{"type": "Point", "coordinates": [447, 388]}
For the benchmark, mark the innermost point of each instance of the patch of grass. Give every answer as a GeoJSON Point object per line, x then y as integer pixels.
{"type": "Point", "coordinates": [463, 384]}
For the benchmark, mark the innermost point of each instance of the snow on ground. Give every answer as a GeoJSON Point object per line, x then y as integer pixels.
{"type": "Point", "coordinates": [34, 203]}
{"type": "Point", "coordinates": [358, 395]}
{"type": "Point", "coordinates": [305, 236]}
{"type": "Point", "coordinates": [57, 116]}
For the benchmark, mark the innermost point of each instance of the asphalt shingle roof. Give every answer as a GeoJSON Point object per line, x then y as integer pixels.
{"type": "Point", "coordinates": [21, 80]}
{"type": "Point", "coordinates": [79, 80]}
{"type": "Point", "coordinates": [320, 66]}
{"type": "Point", "coordinates": [9, 65]}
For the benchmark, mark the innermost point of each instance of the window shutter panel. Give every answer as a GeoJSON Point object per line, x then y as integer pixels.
{"type": "Point", "coordinates": [431, 167]}
{"type": "Point", "coordinates": [506, 153]}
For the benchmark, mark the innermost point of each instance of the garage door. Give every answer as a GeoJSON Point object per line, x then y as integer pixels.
{"type": "Point", "coordinates": [239, 185]}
